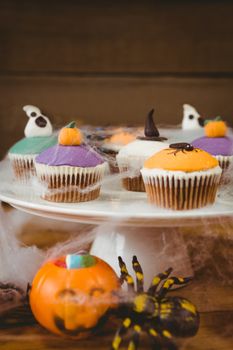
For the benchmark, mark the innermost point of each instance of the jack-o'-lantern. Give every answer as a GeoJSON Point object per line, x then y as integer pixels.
{"type": "Point", "coordinates": [69, 295]}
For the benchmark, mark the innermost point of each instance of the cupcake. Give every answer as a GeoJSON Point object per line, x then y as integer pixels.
{"type": "Point", "coordinates": [181, 177]}
{"type": "Point", "coordinates": [131, 157]}
{"type": "Point", "coordinates": [71, 171]}
{"type": "Point", "coordinates": [112, 145]}
{"type": "Point", "coordinates": [38, 137]}
{"type": "Point", "coordinates": [216, 142]}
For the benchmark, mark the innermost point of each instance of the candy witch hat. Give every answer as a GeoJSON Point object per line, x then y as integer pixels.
{"type": "Point", "coordinates": [151, 132]}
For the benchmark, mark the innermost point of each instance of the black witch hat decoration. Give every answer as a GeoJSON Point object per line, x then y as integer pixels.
{"type": "Point", "coordinates": [150, 131]}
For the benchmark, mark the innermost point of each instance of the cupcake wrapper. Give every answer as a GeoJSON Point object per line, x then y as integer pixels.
{"type": "Point", "coordinates": [23, 166]}
{"type": "Point", "coordinates": [134, 182]}
{"type": "Point", "coordinates": [224, 163]}
{"type": "Point", "coordinates": [70, 184]}
{"type": "Point", "coordinates": [181, 193]}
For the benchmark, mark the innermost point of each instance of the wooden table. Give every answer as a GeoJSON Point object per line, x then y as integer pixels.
{"type": "Point", "coordinates": [211, 291]}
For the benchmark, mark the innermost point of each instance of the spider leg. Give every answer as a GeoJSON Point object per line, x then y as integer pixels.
{"type": "Point", "coordinates": [133, 344]}
{"type": "Point", "coordinates": [139, 274]}
{"type": "Point", "coordinates": [121, 331]}
{"type": "Point", "coordinates": [155, 337]}
{"type": "Point", "coordinates": [157, 279]}
{"type": "Point", "coordinates": [167, 285]}
{"type": "Point", "coordinates": [167, 340]}
{"type": "Point", "coordinates": [161, 339]}
{"type": "Point", "coordinates": [125, 276]}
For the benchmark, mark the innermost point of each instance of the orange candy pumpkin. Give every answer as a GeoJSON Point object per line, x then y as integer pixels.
{"type": "Point", "coordinates": [70, 135]}
{"type": "Point", "coordinates": [70, 300]}
{"type": "Point", "coordinates": [215, 128]}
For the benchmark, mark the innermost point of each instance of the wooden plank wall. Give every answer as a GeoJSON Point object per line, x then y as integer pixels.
{"type": "Point", "coordinates": [111, 61]}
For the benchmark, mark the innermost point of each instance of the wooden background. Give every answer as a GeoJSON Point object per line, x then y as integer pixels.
{"type": "Point", "coordinates": [111, 61]}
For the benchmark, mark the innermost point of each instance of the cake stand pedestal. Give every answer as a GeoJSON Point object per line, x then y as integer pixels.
{"type": "Point", "coordinates": [156, 249]}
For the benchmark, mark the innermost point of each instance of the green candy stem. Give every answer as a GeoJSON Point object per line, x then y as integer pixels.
{"type": "Point", "coordinates": [71, 125]}
{"type": "Point", "coordinates": [217, 119]}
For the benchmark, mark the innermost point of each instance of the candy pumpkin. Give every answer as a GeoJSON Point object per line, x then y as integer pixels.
{"type": "Point", "coordinates": [70, 135]}
{"type": "Point", "coordinates": [69, 295]}
{"type": "Point", "coordinates": [215, 128]}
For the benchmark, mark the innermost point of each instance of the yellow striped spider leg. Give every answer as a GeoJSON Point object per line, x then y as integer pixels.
{"type": "Point", "coordinates": [161, 317]}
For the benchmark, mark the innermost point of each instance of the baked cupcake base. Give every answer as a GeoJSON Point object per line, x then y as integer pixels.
{"type": "Point", "coordinates": [23, 166]}
{"type": "Point", "coordinates": [70, 184]}
{"type": "Point", "coordinates": [224, 163]}
{"type": "Point", "coordinates": [133, 184]}
{"type": "Point", "coordinates": [179, 190]}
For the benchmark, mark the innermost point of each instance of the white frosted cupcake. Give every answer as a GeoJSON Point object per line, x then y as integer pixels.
{"type": "Point", "coordinates": [181, 177]}
{"type": "Point", "coordinates": [131, 157]}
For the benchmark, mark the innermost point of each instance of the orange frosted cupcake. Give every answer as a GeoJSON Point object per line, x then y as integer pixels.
{"type": "Point", "coordinates": [181, 177]}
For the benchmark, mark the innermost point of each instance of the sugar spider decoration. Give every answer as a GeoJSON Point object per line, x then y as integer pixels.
{"type": "Point", "coordinates": [181, 147]}
{"type": "Point", "coordinates": [160, 316]}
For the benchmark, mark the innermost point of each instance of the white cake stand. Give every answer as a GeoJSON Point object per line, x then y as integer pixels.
{"type": "Point", "coordinates": [126, 224]}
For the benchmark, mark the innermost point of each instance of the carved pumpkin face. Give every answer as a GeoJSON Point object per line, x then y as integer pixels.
{"type": "Point", "coordinates": [70, 298]}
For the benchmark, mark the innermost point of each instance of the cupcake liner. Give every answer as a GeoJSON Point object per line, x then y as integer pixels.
{"type": "Point", "coordinates": [133, 184]}
{"type": "Point", "coordinates": [70, 184]}
{"type": "Point", "coordinates": [224, 161]}
{"type": "Point", "coordinates": [132, 181]}
{"type": "Point", "coordinates": [182, 191]}
{"type": "Point", "coordinates": [23, 166]}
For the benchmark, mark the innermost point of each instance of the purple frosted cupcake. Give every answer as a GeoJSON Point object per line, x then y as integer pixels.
{"type": "Point", "coordinates": [216, 142]}
{"type": "Point", "coordinates": [71, 170]}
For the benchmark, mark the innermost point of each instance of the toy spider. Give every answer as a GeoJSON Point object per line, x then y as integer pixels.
{"type": "Point", "coordinates": [182, 147]}
{"type": "Point", "coordinates": [160, 316]}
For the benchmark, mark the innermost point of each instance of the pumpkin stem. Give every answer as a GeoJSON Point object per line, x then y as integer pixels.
{"type": "Point", "coordinates": [71, 125]}
{"type": "Point", "coordinates": [217, 119]}
{"type": "Point", "coordinates": [207, 121]}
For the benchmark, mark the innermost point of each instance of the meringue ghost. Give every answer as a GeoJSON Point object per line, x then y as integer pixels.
{"type": "Point", "coordinates": [191, 118]}
{"type": "Point", "coordinates": [38, 124]}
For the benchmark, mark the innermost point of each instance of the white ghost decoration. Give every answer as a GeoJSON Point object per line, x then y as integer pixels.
{"type": "Point", "coordinates": [191, 118]}
{"type": "Point", "coordinates": [38, 124]}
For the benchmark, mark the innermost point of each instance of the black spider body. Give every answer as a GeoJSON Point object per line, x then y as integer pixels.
{"type": "Point", "coordinates": [161, 316]}
{"type": "Point", "coordinates": [181, 147]}
{"type": "Point", "coordinates": [175, 314]}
